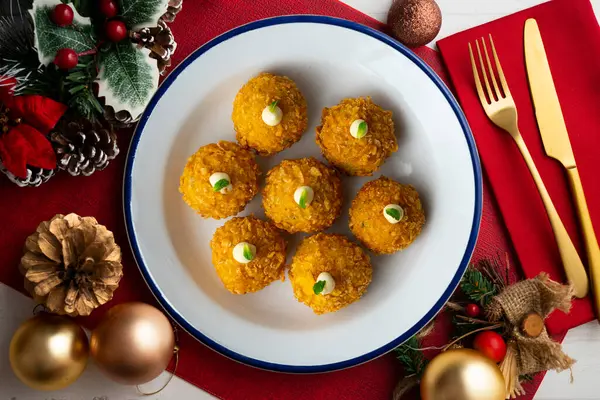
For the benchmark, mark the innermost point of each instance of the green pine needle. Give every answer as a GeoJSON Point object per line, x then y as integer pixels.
{"type": "Point", "coordinates": [221, 183]}
{"type": "Point", "coordinates": [411, 357]}
{"type": "Point", "coordinates": [478, 287]}
{"type": "Point", "coordinates": [318, 287]}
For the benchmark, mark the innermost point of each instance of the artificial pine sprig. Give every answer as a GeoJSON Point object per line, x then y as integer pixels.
{"type": "Point", "coordinates": [411, 357]}
{"type": "Point", "coordinates": [477, 287]}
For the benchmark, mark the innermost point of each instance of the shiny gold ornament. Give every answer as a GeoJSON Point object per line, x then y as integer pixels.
{"type": "Point", "coordinates": [71, 264]}
{"type": "Point", "coordinates": [133, 344]}
{"type": "Point", "coordinates": [414, 22]}
{"type": "Point", "coordinates": [48, 352]}
{"type": "Point", "coordinates": [462, 374]}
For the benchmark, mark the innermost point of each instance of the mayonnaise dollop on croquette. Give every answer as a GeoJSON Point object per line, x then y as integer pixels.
{"type": "Point", "coordinates": [272, 114]}
{"type": "Point", "coordinates": [393, 213]}
{"type": "Point", "coordinates": [325, 284]}
{"type": "Point", "coordinates": [220, 182]}
{"type": "Point", "coordinates": [244, 252]}
{"type": "Point", "coordinates": [303, 196]}
{"type": "Point", "coordinates": [359, 128]}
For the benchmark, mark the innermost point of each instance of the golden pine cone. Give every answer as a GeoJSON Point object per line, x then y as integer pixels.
{"type": "Point", "coordinates": [71, 264]}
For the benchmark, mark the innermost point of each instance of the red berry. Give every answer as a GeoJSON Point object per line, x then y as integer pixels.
{"type": "Point", "coordinates": [472, 310]}
{"type": "Point", "coordinates": [62, 15]}
{"type": "Point", "coordinates": [66, 59]}
{"type": "Point", "coordinates": [115, 30]}
{"type": "Point", "coordinates": [109, 8]}
{"type": "Point", "coordinates": [491, 345]}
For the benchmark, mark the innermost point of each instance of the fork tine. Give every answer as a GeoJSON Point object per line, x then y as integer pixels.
{"type": "Point", "coordinates": [491, 69]}
{"type": "Point", "coordinates": [476, 77]}
{"type": "Point", "coordinates": [499, 68]}
{"type": "Point", "coordinates": [485, 78]}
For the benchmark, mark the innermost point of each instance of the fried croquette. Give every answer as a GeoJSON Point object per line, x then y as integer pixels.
{"type": "Point", "coordinates": [264, 265]}
{"type": "Point", "coordinates": [320, 209]}
{"type": "Point", "coordinates": [345, 262]}
{"type": "Point", "coordinates": [357, 136]}
{"type": "Point", "coordinates": [257, 96]}
{"type": "Point", "coordinates": [382, 230]}
{"type": "Point", "coordinates": [224, 159]}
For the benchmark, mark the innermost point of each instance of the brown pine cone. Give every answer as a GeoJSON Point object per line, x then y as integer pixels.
{"type": "Point", "coordinates": [160, 41]}
{"type": "Point", "coordinates": [83, 147]}
{"type": "Point", "coordinates": [71, 264]}
{"type": "Point", "coordinates": [174, 7]}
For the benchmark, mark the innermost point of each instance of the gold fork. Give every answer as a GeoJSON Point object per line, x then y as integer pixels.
{"type": "Point", "coordinates": [502, 111]}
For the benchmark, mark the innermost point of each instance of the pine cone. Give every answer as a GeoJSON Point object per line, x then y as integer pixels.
{"type": "Point", "coordinates": [83, 147]}
{"type": "Point", "coordinates": [160, 41]}
{"type": "Point", "coordinates": [118, 120]}
{"type": "Point", "coordinates": [35, 176]}
{"type": "Point", "coordinates": [71, 264]}
{"type": "Point", "coordinates": [174, 7]}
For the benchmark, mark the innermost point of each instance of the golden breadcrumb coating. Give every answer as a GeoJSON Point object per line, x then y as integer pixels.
{"type": "Point", "coordinates": [278, 195]}
{"type": "Point", "coordinates": [336, 254]}
{"type": "Point", "coordinates": [359, 157]}
{"type": "Point", "coordinates": [225, 157]}
{"type": "Point", "coordinates": [249, 104]}
{"type": "Point", "coordinates": [370, 226]}
{"type": "Point", "coordinates": [269, 264]}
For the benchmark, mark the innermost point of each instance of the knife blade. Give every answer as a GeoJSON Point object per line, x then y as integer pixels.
{"type": "Point", "coordinates": [545, 99]}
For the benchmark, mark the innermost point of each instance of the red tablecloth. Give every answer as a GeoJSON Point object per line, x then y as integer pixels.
{"type": "Point", "coordinates": [100, 195]}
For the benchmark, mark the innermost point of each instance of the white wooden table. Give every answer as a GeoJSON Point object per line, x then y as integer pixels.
{"type": "Point", "coordinates": [582, 343]}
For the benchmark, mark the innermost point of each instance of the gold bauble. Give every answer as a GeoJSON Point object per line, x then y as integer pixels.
{"type": "Point", "coordinates": [462, 374]}
{"type": "Point", "coordinates": [48, 352]}
{"type": "Point", "coordinates": [133, 343]}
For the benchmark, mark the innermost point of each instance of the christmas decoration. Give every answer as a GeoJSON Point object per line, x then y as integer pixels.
{"type": "Point", "coordinates": [160, 41]}
{"type": "Point", "coordinates": [115, 30]}
{"type": "Point", "coordinates": [108, 8]}
{"type": "Point", "coordinates": [175, 6]}
{"type": "Point", "coordinates": [472, 310]}
{"type": "Point", "coordinates": [414, 22]}
{"type": "Point", "coordinates": [100, 59]}
{"type": "Point", "coordinates": [24, 121]}
{"type": "Point", "coordinates": [133, 343]}
{"type": "Point", "coordinates": [71, 264]}
{"type": "Point", "coordinates": [66, 59]}
{"type": "Point", "coordinates": [491, 345]}
{"type": "Point", "coordinates": [62, 15]}
{"type": "Point", "coordinates": [509, 330]}
{"type": "Point", "coordinates": [462, 374]}
{"type": "Point", "coordinates": [48, 352]}
{"type": "Point", "coordinates": [83, 147]}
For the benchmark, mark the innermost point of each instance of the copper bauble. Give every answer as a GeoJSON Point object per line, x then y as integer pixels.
{"type": "Point", "coordinates": [462, 374]}
{"type": "Point", "coordinates": [48, 352]}
{"type": "Point", "coordinates": [414, 22]}
{"type": "Point", "coordinates": [133, 343]}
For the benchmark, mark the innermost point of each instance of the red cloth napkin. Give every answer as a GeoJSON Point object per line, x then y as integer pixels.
{"type": "Point", "coordinates": [22, 209]}
{"type": "Point", "coordinates": [572, 40]}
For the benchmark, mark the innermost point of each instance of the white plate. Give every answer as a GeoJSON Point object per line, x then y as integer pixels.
{"type": "Point", "coordinates": [329, 59]}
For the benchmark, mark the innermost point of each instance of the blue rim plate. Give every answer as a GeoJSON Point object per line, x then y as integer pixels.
{"type": "Point", "coordinates": [128, 182]}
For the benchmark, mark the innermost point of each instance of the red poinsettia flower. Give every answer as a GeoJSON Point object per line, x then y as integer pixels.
{"type": "Point", "coordinates": [24, 123]}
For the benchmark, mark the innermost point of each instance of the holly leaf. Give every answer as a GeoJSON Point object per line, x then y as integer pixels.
{"type": "Point", "coordinates": [49, 37]}
{"type": "Point", "coordinates": [138, 14]}
{"type": "Point", "coordinates": [128, 77]}
{"type": "Point", "coordinates": [85, 7]}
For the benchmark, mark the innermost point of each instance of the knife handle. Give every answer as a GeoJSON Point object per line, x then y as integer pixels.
{"type": "Point", "coordinates": [572, 264]}
{"type": "Point", "coordinates": [589, 236]}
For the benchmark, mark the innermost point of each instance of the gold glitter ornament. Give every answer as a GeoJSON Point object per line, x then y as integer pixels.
{"type": "Point", "coordinates": [414, 23]}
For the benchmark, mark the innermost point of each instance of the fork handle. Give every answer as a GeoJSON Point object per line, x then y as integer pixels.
{"type": "Point", "coordinates": [589, 237]}
{"type": "Point", "coordinates": [572, 264]}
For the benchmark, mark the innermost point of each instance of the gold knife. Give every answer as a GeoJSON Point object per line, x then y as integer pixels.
{"type": "Point", "coordinates": [556, 140]}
